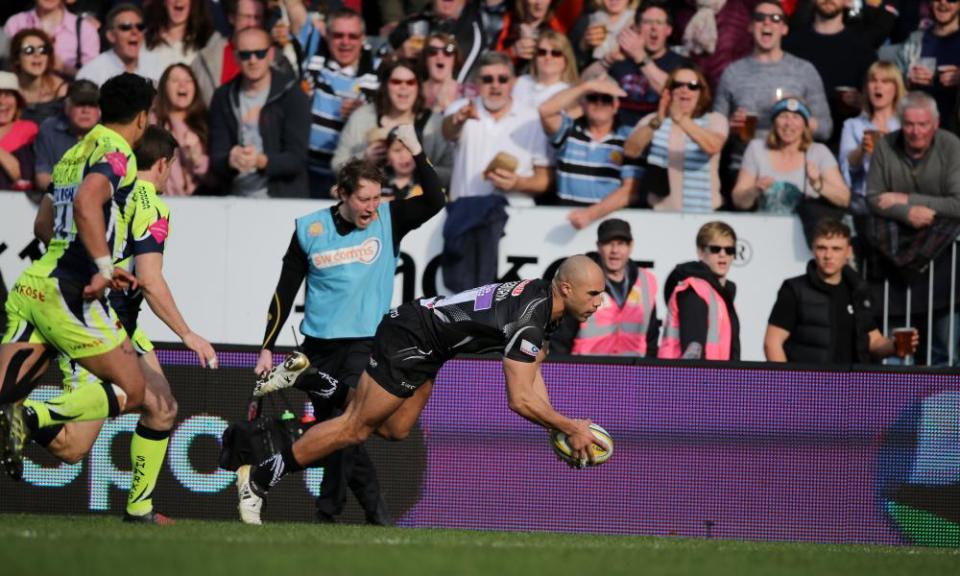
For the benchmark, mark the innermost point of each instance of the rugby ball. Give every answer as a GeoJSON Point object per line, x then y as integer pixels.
{"type": "Point", "coordinates": [558, 440]}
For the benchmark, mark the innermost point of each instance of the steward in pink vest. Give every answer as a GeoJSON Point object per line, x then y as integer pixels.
{"type": "Point", "coordinates": [626, 322]}
{"type": "Point", "coordinates": [701, 319]}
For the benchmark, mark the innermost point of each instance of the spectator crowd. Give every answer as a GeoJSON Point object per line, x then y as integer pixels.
{"type": "Point", "coordinates": [836, 111]}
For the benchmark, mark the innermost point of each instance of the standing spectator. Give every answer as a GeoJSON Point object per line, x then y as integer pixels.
{"type": "Point", "coordinates": [458, 18]}
{"type": "Point", "coordinates": [752, 85]}
{"type": "Point", "coordinates": [883, 91]}
{"type": "Point", "coordinates": [645, 63]}
{"type": "Point", "coordinates": [501, 148]}
{"type": "Point", "coordinates": [554, 68]}
{"type": "Point", "coordinates": [125, 28]}
{"type": "Point", "coordinates": [591, 167]}
{"type": "Point", "coordinates": [341, 74]}
{"type": "Point", "coordinates": [401, 181]}
{"type": "Point", "coordinates": [492, 13]}
{"type": "Point", "coordinates": [597, 34]}
{"type": "Point", "coordinates": [259, 125]}
{"type": "Point", "coordinates": [32, 61]}
{"type": "Point", "coordinates": [685, 140]}
{"type": "Point", "coordinates": [702, 321]}
{"type": "Point", "coordinates": [915, 172]}
{"type": "Point", "coordinates": [176, 31]}
{"type": "Point", "coordinates": [874, 19]}
{"type": "Point", "coordinates": [626, 323]}
{"type": "Point", "coordinates": [76, 40]}
{"type": "Point", "coordinates": [180, 110]}
{"type": "Point", "coordinates": [216, 64]}
{"type": "Point", "coordinates": [714, 33]}
{"type": "Point", "coordinates": [439, 64]}
{"type": "Point", "coordinates": [521, 28]}
{"type": "Point", "coordinates": [820, 43]}
{"type": "Point", "coordinates": [788, 172]}
{"type": "Point", "coordinates": [825, 316]}
{"type": "Point", "coordinates": [930, 59]}
{"type": "Point", "coordinates": [914, 181]}
{"type": "Point", "coordinates": [16, 137]}
{"type": "Point", "coordinates": [399, 101]}
{"type": "Point", "coordinates": [81, 112]}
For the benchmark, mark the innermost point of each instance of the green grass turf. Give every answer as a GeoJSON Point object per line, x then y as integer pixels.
{"type": "Point", "coordinates": [55, 545]}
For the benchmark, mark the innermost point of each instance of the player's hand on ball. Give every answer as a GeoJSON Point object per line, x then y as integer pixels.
{"type": "Point", "coordinates": [588, 445]}
{"type": "Point", "coordinates": [581, 442]}
{"type": "Point", "coordinates": [264, 362]}
{"type": "Point", "coordinates": [203, 349]}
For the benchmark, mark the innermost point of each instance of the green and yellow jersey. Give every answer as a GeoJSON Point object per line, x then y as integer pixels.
{"type": "Point", "coordinates": [101, 151]}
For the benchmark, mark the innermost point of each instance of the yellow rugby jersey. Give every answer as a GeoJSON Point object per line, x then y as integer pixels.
{"type": "Point", "coordinates": [143, 228]}
{"type": "Point", "coordinates": [101, 151]}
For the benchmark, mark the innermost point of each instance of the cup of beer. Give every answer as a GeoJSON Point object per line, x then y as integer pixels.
{"type": "Point", "coordinates": [749, 128]}
{"type": "Point", "coordinates": [902, 338]}
{"type": "Point", "coordinates": [870, 140]}
{"type": "Point", "coordinates": [417, 32]}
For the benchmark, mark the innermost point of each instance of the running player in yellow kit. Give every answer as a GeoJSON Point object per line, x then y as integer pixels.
{"type": "Point", "coordinates": [57, 304]}
{"type": "Point", "coordinates": [143, 231]}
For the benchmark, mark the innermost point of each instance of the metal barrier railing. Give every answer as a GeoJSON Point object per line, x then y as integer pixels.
{"type": "Point", "coordinates": [908, 305]}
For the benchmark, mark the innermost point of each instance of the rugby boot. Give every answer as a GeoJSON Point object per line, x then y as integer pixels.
{"type": "Point", "coordinates": [13, 435]}
{"type": "Point", "coordinates": [250, 502]}
{"type": "Point", "coordinates": [281, 376]}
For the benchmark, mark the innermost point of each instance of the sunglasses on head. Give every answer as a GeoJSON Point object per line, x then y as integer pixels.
{"type": "Point", "coordinates": [692, 85]}
{"type": "Point", "coordinates": [345, 35]}
{"type": "Point", "coordinates": [401, 82]}
{"type": "Point", "coordinates": [728, 250]}
{"type": "Point", "coordinates": [248, 54]}
{"type": "Point", "coordinates": [28, 50]}
{"type": "Point", "coordinates": [553, 52]}
{"type": "Point", "coordinates": [128, 26]}
{"type": "Point", "coordinates": [599, 98]}
{"type": "Point", "coordinates": [760, 17]}
{"type": "Point", "coordinates": [449, 49]}
{"type": "Point", "coordinates": [489, 78]}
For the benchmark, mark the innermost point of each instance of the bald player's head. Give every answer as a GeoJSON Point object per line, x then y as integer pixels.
{"type": "Point", "coordinates": [579, 283]}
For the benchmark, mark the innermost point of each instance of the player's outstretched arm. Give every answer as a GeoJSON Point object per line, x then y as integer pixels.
{"type": "Point", "coordinates": [527, 396]}
{"type": "Point", "coordinates": [294, 270]}
{"type": "Point", "coordinates": [156, 291]}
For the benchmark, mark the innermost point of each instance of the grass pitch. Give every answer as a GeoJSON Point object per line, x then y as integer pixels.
{"type": "Point", "coordinates": [32, 545]}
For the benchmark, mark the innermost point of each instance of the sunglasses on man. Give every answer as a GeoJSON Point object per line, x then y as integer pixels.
{"type": "Point", "coordinates": [347, 35]}
{"type": "Point", "coordinates": [447, 50]}
{"type": "Point", "coordinates": [29, 50]}
{"type": "Point", "coordinates": [760, 18]}
{"type": "Point", "coordinates": [728, 250]}
{"type": "Point", "coordinates": [596, 98]}
{"type": "Point", "coordinates": [245, 55]}
{"type": "Point", "coordinates": [128, 26]}
{"type": "Point", "coordinates": [489, 78]}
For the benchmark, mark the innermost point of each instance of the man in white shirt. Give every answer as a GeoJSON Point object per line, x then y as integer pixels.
{"type": "Point", "coordinates": [124, 25]}
{"type": "Point", "coordinates": [487, 128]}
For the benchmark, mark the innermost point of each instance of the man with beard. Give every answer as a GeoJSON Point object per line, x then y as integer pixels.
{"type": "Point", "coordinates": [820, 44]}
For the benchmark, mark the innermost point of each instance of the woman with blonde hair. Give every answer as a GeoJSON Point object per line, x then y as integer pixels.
{"type": "Point", "coordinates": [685, 140]}
{"type": "Point", "coordinates": [788, 166]}
{"type": "Point", "coordinates": [553, 68]}
{"type": "Point", "coordinates": [883, 89]}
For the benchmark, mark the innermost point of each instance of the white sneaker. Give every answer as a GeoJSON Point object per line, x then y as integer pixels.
{"type": "Point", "coordinates": [282, 375]}
{"type": "Point", "coordinates": [250, 503]}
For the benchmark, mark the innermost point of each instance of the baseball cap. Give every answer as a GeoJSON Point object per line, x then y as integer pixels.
{"type": "Point", "coordinates": [612, 229]}
{"type": "Point", "coordinates": [83, 93]}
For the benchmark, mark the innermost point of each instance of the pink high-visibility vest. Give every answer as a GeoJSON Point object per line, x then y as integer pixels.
{"type": "Point", "coordinates": [719, 327]}
{"type": "Point", "coordinates": [616, 331]}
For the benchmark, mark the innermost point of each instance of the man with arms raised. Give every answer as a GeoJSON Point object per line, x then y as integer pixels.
{"type": "Point", "coordinates": [415, 340]}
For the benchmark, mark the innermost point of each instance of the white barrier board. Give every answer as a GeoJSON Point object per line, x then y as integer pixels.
{"type": "Point", "coordinates": [223, 257]}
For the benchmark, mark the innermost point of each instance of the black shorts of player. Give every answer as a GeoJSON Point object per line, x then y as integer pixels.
{"type": "Point", "coordinates": [403, 358]}
{"type": "Point", "coordinates": [335, 368]}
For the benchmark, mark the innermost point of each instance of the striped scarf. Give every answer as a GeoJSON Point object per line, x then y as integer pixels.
{"type": "Point", "coordinates": [697, 182]}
